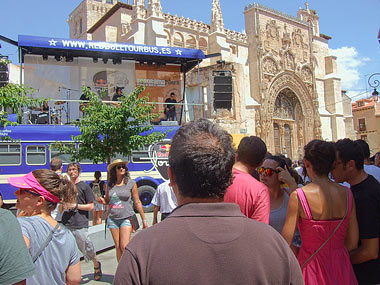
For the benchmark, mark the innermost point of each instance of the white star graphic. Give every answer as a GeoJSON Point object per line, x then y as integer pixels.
{"type": "Point", "coordinates": [179, 52]}
{"type": "Point", "coordinates": [52, 42]}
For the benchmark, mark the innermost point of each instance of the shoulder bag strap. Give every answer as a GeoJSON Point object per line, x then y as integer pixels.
{"type": "Point", "coordinates": [337, 227]}
{"type": "Point", "coordinates": [44, 245]}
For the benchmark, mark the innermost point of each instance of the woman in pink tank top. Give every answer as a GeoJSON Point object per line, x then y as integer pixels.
{"type": "Point", "coordinates": [326, 217]}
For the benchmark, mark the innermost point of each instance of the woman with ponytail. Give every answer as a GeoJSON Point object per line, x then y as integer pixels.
{"type": "Point", "coordinates": [51, 245]}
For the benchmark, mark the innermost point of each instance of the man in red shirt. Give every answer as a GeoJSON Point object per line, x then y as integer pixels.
{"type": "Point", "coordinates": [251, 195]}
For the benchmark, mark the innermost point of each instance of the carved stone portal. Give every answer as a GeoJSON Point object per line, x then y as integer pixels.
{"type": "Point", "coordinates": [288, 116]}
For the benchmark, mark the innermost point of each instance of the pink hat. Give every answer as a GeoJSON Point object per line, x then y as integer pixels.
{"type": "Point", "coordinates": [30, 182]}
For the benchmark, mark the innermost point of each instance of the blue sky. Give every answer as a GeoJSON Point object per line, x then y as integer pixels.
{"type": "Point", "coordinates": [352, 24]}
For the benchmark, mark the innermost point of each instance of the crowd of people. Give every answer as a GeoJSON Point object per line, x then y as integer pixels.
{"type": "Point", "coordinates": [228, 216]}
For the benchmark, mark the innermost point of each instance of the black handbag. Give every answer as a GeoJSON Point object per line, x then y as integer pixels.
{"type": "Point", "coordinates": [135, 222]}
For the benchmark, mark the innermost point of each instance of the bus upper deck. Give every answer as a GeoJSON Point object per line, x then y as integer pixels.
{"type": "Point", "coordinates": [57, 69]}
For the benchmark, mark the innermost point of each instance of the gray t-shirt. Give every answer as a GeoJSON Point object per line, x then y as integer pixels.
{"type": "Point", "coordinates": [277, 216]}
{"type": "Point", "coordinates": [121, 204]}
{"type": "Point", "coordinates": [58, 255]}
{"type": "Point", "coordinates": [15, 261]}
{"type": "Point", "coordinates": [277, 220]}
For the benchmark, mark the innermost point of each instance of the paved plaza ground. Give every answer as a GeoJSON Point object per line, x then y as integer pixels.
{"type": "Point", "coordinates": [108, 261]}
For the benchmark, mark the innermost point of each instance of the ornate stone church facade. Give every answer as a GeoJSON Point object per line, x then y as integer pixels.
{"type": "Point", "coordinates": [285, 84]}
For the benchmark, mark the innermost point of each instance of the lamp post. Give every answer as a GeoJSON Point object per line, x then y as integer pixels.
{"type": "Point", "coordinates": [374, 83]}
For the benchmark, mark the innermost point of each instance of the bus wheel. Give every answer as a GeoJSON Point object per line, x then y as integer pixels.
{"type": "Point", "coordinates": [146, 193]}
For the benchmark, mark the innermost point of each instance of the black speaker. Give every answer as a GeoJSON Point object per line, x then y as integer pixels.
{"type": "Point", "coordinates": [3, 74]}
{"type": "Point", "coordinates": [223, 92]}
{"type": "Point", "coordinates": [3, 67]}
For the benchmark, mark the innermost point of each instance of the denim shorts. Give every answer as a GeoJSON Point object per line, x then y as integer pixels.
{"type": "Point", "coordinates": [117, 223]}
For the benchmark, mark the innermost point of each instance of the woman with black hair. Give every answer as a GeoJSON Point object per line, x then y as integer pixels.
{"type": "Point", "coordinates": [275, 175]}
{"type": "Point", "coordinates": [52, 246]}
{"type": "Point", "coordinates": [122, 192]}
{"type": "Point", "coordinates": [326, 217]}
{"type": "Point", "coordinates": [98, 187]}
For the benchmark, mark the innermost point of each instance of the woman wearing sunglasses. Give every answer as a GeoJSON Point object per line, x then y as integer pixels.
{"type": "Point", "coordinates": [121, 196]}
{"type": "Point", "coordinates": [274, 174]}
{"type": "Point", "coordinates": [326, 217]}
{"type": "Point", "coordinates": [51, 245]}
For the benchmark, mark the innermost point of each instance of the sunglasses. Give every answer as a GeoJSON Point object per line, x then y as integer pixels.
{"type": "Point", "coordinates": [120, 167]}
{"type": "Point", "coordinates": [29, 191]}
{"type": "Point", "coordinates": [267, 171]}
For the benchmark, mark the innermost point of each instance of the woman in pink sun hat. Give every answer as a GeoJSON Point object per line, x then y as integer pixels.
{"type": "Point", "coordinates": [51, 245]}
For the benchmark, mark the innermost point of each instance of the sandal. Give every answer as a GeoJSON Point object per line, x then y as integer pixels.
{"type": "Point", "coordinates": [98, 272]}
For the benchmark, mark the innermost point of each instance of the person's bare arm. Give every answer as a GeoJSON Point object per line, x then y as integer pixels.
{"type": "Point", "coordinates": [138, 205]}
{"type": "Point", "coordinates": [27, 242]}
{"type": "Point", "coordinates": [73, 274]}
{"type": "Point", "coordinates": [285, 177]}
{"type": "Point", "coordinates": [83, 207]}
{"type": "Point", "coordinates": [368, 250]}
{"type": "Point", "coordinates": [352, 234]}
{"type": "Point", "coordinates": [291, 218]}
{"type": "Point", "coordinates": [155, 213]}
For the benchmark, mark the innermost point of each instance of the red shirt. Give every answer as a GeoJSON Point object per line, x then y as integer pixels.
{"type": "Point", "coordinates": [251, 195]}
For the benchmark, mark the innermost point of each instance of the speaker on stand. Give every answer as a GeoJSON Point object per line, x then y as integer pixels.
{"type": "Point", "coordinates": [222, 89]}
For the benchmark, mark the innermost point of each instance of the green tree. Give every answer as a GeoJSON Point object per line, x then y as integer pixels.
{"type": "Point", "coordinates": [13, 97]}
{"type": "Point", "coordinates": [108, 130]}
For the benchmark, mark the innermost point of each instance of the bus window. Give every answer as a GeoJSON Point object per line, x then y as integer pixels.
{"type": "Point", "coordinates": [66, 158]}
{"type": "Point", "coordinates": [10, 154]}
{"type": "Point", "coordinates": [123, 158]}
{"type": "Point", "coordinates": [141, 155]}
{"type": "Point", "coordinates": [36, 155]}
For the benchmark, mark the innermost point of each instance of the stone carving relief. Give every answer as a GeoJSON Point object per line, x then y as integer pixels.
{"type": "Point", "coordinates": [125, 29]}
{"type": "Point", "coordinates": [283, 108]}
{"type": "Point", "coordinates": [286, 40]}
{"type": "Point", "coordinates": [272, 30]}
{"type": "Point", "coordinates": [300, 134]}
{"type": "Point", "coordinates": [304, 97]}
{"type": "Point", "coordinates": [305, 56]}
{"type": "Point", "coordinates": [306, 74]}
{"type": "Point", "coordinates": [258, 128]}
{"type": "Point", "coordinates": [154, 8]}
{"type": "Point", "coordinates": [298, 39]}
{"type": "Point", "coordinates": [270, 66]}
{"type": "Point", "coordinates": [289, 60]}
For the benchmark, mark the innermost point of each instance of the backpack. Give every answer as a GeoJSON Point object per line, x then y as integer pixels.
{"type": "Point", "coordinates": [96, 189]}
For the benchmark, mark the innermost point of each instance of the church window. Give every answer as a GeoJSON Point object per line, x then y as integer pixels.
{"type": "Point", "coordinates": [109, 1]}
{"type": "Point", "coordinates": [191, 42]}
{"type": "Point", "coordinates": [178, 40]}
{"type": "Point", "coordinates": [362, 125]}
{"type": "Point", "coordinates": [203, 44]}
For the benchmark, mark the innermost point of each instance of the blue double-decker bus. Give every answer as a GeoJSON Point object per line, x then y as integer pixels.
{"type": "Point", "coordinates": [33, 148]}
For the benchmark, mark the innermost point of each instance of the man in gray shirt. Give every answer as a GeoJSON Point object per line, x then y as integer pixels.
{"type": "Point", "coordinates": [15, 261]}
{"type": "Point", "coordinates": [206, 241]}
